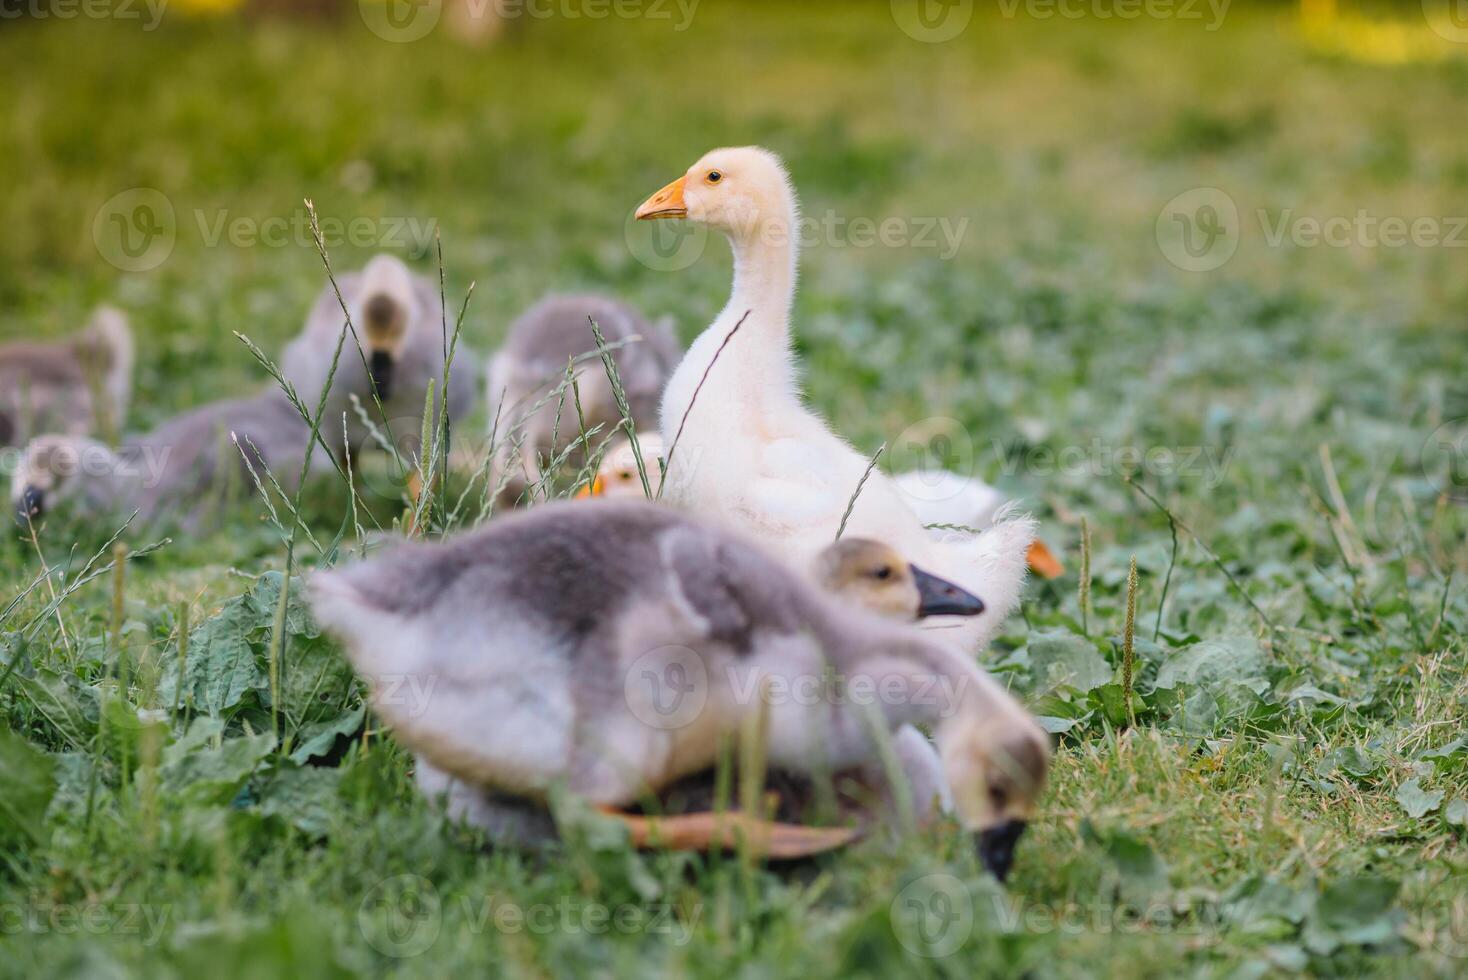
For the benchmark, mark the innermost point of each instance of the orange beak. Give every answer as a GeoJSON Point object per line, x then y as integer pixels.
{"type": "Point", "coordinates": [709, 832]}
{"type": "Point", "coordinates": [1043, 561]}
{"type": "Point", "coordinates": [666, 203]}
{"type": "Point", "coordinates": [592, 489]}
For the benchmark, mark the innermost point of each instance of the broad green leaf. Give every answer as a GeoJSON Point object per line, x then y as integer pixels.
{"type": "Point", "coordinates": [132, 732]}
{"type": "Point", "coordinates": [56, 699]}
{"type": "Point", "coordinates": [27, 783]}
{"type": "Point", "coordinates": [302, 797]}
{"type": "Point", "coordinates": [201, 731]}
{"type": "Point", "coordinates": [227, 668]}
{"type": "Point", "coordinates": [1111, 700]}
{"type": "Point", "coordinates": [1457, 812]}
{"type": "Point", "coordinates": [222, 666]}
{"type": "Point", "coordinates": [1353, 912]}
{"type": "Point", "coordinates": [1417, 801]}
{"type": "Point", "coordinates": [213, 773]}
{"type": "Point", "coordinates": [1447, 755]}
{"type": "Point", "coordinates": [1349, 759]}
{"type": "Point", "coordinates": [1262, 906]}
{"type": "Point", "coordinates": [317, 682]}
{"type": "Point", "coordinates": [1059, 726]}
{"type": "Point", "coordinates": [1058, 715]}
{"type": "Point", "coordinates": [1060, 659]}
{"type": "Point", "coordinates": [1212, 662]}
{"type": "Point", "coordinates": [319, 738]}
{"type": "Point", "coordinates": [1311, 694]}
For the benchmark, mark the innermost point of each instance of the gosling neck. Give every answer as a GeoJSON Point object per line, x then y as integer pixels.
{"type": "Point", "coordinates": [765, 255]}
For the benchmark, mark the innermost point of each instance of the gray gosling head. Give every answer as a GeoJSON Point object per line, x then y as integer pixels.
{"type": "Point", "coordinates": [57, 470]}
{"type": "Point", "coordinates": [385, 319]}
{"type": "Point", "coordinates": [996, 766]}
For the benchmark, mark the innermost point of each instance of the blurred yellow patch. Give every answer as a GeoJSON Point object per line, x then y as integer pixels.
{"type": "Point", "coordinates": [206, 6]}
{"type": "Point", "coordinates": [1350, 34]}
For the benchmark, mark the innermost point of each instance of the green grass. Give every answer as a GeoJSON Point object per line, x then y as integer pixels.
{"type": "Point", "coordinates": [1257, 815]}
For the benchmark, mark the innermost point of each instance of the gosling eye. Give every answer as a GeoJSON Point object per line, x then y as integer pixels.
{"type": "Point", "coordinates": [883, 574]}
{"type": "Point", "coordinates": [714, 177]}
{"type": "Point", "coordinates": [998, 797]}
{"type": "Point", "coordinates": [625, 476]}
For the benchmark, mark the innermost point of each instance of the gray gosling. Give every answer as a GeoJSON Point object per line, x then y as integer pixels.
{"type": "Point", "coordinates": [401, 326]}
{"type": "Point", "coordinates": [865, 572]}
{"type": "Point", "coordinates": [533, 361]}
{"type": "Point", "coordinates": [76, 387]}
{"type": "Point", "coordinates": [172, 472]}
{"type": "Point", "coordinates": [610, 645]}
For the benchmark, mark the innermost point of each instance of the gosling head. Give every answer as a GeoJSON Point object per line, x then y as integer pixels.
{"type": "Point", "coordinates": [740, 191]}
{"type": "Point", "coordinates": [618, 477]}
{"type": "Point", "coordinates": [56, 471]}
{"type": "Point", "coordinates": [105, 349]}
{"type": "Point", "coordinates": [996, 764]}
{"type": "Point", "coordinates": [872, 574]}
{"type": "Point", "coordinates": [385, 318]}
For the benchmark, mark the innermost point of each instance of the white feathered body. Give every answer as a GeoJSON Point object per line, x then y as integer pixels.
{"type": "Point", "coordinates": [753, 458]}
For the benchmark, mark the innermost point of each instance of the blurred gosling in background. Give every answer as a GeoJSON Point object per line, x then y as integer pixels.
{"type": "Point", "coordinates": [175, 473]}
{"type": "Point", "coordinates": [403, 333]}
{"type": "Point", "coordinates": [77, 387]}
{"type": "Point", "coordinates": [539, 346]}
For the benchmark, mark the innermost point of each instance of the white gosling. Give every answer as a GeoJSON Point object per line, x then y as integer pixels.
{"type": "Point", "coordinates": [618, 475]}
{"type": "Point", "coordinates": [751, 454]}
{"type": "Point", "coordinates": [865, 571]}
{"type": "Point", "coordinates": [540, 344]}
{"type": "Point", "coordinates": [401, 326]}
{"type": "Point", "coordinates": [76, 387]}
{"type": "Point", "coordinates": [937, 497]}
{"type": "Point", "coordinates": [944, 497]}
{"type": "Point", "coordinates": [610, 645]}
{"type": "Point", "coordinates": [174, 473]}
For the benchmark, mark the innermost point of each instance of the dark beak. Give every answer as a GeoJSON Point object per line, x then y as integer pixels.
{"type": "Point", "coordinates": [940, 597]}
{"type": "Point", "coordinates": [996, 847]}
{"type": "Point", "coordinates": [30, 507]}
{"type": "Point", "coordinates": [381, 366]}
